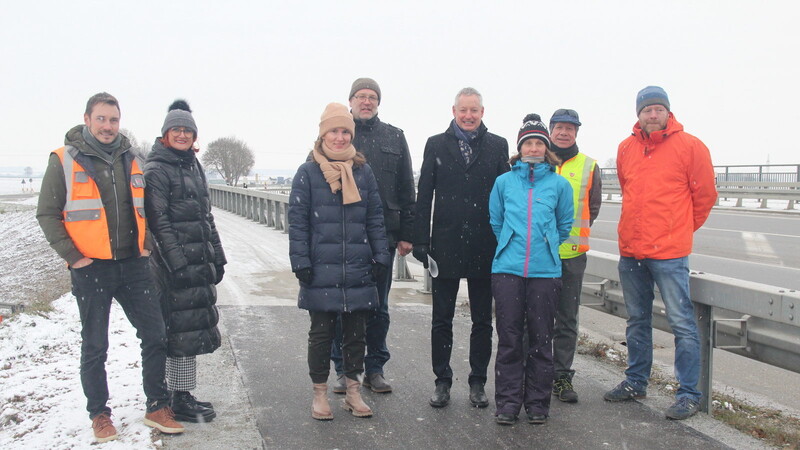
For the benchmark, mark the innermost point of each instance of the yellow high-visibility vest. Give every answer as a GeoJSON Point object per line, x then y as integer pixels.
{"type": "Point", "coordinates": [579, 171]}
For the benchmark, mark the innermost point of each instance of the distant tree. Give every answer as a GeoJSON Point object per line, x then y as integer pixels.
{"type": "Point", "coordinates": [28, 171]}
{"type": "Point", "coordinates": [230, 157]}
{"type": "Point", "coordinates": [611, 163]}
{"type": "Point", "coordinates": [139, 148]}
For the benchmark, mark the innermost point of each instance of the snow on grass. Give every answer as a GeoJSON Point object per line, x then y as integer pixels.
{"type": "Point", "coordinates": [41, 400]}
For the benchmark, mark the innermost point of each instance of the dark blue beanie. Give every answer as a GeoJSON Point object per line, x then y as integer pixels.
{"type": "Point", "coordinates": [651, 95]}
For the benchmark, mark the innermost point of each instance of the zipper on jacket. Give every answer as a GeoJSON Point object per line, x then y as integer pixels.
{"type": "Point", "coordinates": [116, 207]}
{"type": "Point", "coordinates": [344, 260]}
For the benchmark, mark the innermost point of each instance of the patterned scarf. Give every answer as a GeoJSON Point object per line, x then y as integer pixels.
{"type": "Point", "coordinates": [337, 168]}
{"type": "Point", "coordinates": [464, 139]}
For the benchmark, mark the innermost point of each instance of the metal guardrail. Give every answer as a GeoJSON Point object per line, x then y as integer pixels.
{"type": "Point", "coordinates": [739, 190]}
{"type": "Point", "coordinates": [754, 320]}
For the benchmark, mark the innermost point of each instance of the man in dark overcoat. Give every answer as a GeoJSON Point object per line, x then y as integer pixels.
{"type": "Point", "coordinates": [458, 171]}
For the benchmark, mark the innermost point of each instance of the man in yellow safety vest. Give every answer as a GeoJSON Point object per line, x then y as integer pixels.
{"type": "Point", "coordinates": [584, 175]}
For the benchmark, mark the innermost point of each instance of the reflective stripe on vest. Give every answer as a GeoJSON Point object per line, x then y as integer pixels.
{"type": "Point", "coordinates": [84, 214]}
{"type": "Point", "coordinates": [579, 171]}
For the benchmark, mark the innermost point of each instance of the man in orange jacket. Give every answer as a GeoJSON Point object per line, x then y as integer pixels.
{"type": "Point", "coordinates": [668, 190]}
{"type": "Point", "coordinates": [91, 210]}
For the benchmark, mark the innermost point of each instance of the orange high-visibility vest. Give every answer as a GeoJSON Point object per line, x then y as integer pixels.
{"type": "Point", "coordinates": [84, 214]}
{"type": "Point", "coordinates": [579, 171]}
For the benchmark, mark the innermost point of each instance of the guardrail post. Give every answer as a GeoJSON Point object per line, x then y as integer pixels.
{"type": "Point", "coordinates": [703, 314]}
{"type": "Point", "coordinates": [403, 274]}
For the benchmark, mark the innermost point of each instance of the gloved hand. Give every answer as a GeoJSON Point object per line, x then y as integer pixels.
{"type": "Point", "coordinates": [378, 271]}
{"type": "Point", "coordinates": [420, 252]}
{"type": "Point", "coordinates": [304, 275]}
{"type": "Point", "coordinates": [220, 273]}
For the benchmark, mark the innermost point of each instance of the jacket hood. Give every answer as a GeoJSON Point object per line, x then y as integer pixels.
{"type": "Point", "coordinates": [160, 153]}
{"type": "Point", "coordinates": [74, 137]}
{"type": "Point", "coordinates": [521, 169]}
{"type": "Point", "coordinates": [673, 126]}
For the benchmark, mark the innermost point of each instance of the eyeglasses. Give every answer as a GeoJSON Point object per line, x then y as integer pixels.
{"type": "Point", "coordinates": [363, 97]}
{"type": "Point", "coordinates": [177, 131]}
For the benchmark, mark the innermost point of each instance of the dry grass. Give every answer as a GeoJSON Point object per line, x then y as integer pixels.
{"type": "Point", "coordinates": [768, 425]}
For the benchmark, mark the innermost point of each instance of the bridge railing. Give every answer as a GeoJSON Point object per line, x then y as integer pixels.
{"type": "Point", "coordinates": [754, 320]}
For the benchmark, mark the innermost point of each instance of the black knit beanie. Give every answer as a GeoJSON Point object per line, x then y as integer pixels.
{"type": "Point", "coordinates": [533, 127]}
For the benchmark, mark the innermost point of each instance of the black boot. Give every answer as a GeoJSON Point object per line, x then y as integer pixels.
{"type": "Point", "coordinates": [187, 409]}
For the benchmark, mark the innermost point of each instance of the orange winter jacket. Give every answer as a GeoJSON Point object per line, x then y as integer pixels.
{"type": "Point", "coordinates": [668, 190]}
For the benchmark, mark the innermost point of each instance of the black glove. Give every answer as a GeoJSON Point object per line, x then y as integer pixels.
{"type": "Point", "coordinates": [420, 252]}
{"type": "Point", "coordinates": [304, 275]}
{"type": "Point", "coordinates": [378, 271]}
{"type": "Point", "coordinates": [220, 273]}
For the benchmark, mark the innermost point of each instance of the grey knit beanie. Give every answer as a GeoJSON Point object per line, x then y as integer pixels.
{"type": "Point", "coordinates": [365, 83]}
{"type": "Point", "coordinates": [179, 115]}
{"type": "Point", "coordinates": [651, 95]}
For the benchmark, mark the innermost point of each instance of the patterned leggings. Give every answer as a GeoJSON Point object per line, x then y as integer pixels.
{"type": "Point", "coordinates": [181, 373]}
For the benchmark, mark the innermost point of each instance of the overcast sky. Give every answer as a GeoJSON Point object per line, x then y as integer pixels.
{"type": "Point", "coordinates": [263, 71]}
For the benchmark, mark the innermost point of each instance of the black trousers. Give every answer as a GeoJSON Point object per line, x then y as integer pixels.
{"type": "Point", "coordinates": [320, 338]}
{"type": "Point", "coordinates": [130, 282]}
{"type": "Point", "coordinates": [480, 341]}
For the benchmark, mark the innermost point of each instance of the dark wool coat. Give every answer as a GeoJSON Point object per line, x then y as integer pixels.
{"type": "Point", "coordinates": [461, 240]}
{"type": "Point", "coordinates": [338, 242]}
{"type": "Point", "coordinates": [188, 252]}
{"type": "Point", "coordinates": [386, 150]}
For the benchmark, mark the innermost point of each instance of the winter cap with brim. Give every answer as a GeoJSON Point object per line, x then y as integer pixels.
{"type": "Point", "coordinates": [533, 127]}
{"type": "Point", "coordinates": [365, 83]}
{"type": "Point", "coordinates": [179, 115]}
{"type": "Point", "coordinates": [336, 115]}
{"type": "Point", "coordinates": [565, 116]}
{"type": "Point", "coordinates": [651, 95]}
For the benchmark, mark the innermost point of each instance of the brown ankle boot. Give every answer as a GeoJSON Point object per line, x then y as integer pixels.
{"type": "Point", "coordinates": [353, 401]}
{"type": "Point", "coordinates": [320, 409]}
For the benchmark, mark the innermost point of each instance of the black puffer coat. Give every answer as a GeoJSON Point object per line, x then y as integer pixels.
{"type": "Point", "coordinates": [338, 242]}
{"type": "Point", "coordinates": [461, 241]}
{"type": "Point", "coordinates": [188, 258]}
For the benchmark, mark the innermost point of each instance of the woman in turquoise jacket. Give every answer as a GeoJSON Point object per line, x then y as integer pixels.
{"type": "Point", "coordinates": [531, 213]}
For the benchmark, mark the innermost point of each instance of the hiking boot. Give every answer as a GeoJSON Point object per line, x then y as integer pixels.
{"type": "Point", "coordinates": [104, 430]}
{"type": "Point", "coordinates": [353, 401]}
{"type": "Point", "coordinates": [563, 389]}
{"type": "Point", "coordinates": [477, 396]}
{"type": "Point", "coordinates": [537, 419]}
{"type": "Point", "coordinates": [164, 420]}
{"type": "Point", "coordinates": [320, 408]}
{"type": "Point", "coordinates": [203, 404]}
{"type": "Point", "coordinates": [340, 387]}
{"type": "Point", "coordinates": [441, 396]}
{"type": "Point", "coordinates": [624, 391]}
{"type": "Point", "coordinates": [377, 383]}
{"type": "Point", "coordinates": [187, 409]}
{"type": "Point", "coordinates": [506, 419]}
{"type": "Point", "coordinates": [683, 408]}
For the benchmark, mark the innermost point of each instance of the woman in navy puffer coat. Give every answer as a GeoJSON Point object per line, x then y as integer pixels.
{"type": "Point", "coordinates": [337, 248]}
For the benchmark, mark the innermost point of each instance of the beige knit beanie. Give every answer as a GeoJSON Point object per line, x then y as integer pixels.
{"type": "Point", "coordinates": [336, 115]}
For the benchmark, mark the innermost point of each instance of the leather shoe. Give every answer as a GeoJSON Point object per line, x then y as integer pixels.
{"type": "Point", "coordinates": [377, 383]}
{"type": "Point", "coordinates": [537, 419]}
{"type": "Point", "coordinates": [441, 396]}
{"type": "Point", "coordinates": [477, 396]}
{"type": "Point", "coordinates": [506, 419]}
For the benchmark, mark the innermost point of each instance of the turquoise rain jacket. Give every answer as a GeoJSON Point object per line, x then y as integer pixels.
{"type": "Point", "coordinates": [530, 210]}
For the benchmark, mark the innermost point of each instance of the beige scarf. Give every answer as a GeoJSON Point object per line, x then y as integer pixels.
{"type": "Point", "coordinates": [339, 172]}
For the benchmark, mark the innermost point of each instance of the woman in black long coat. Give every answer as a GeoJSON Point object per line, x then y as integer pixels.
{"type": "Point", "coordinates": [337, 247]}
{"type": "Point", "coordinates": [188, 260]}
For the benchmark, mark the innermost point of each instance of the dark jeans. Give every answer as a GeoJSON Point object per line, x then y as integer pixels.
{"type": "Point", "coordinates": [480, 340]}
{"type": "Point", "coordinates": [524, 379]}
{"type": "Point", "coordinates": [377, 329]}
{"type": "Point", "coordinates": [565, 333]}
{"type": "Point", "coordinates": [129, 281]}
{"type": "Point", "coordinates": [320, 338]}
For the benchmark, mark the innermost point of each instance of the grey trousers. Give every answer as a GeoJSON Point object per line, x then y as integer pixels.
{"type": "Point", "coordinates": [565, 333]}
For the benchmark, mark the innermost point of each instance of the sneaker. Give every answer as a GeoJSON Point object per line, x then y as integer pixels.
{"type": "Point", "coordinates": [624, 391]}
{"type": "Point", "coordinates": [340, 387]}
{"type": "Point", "coordinates": [164, 420]}
{"type": "Point", "coordinates": [683, 408]}
{"type": "Point", "coordinates": [537, 419]}
{"type": "Point", "coordinates": [377, 383]}
{"type": "Point", "coordinates": [506, 419]}
{"type": "Point", "coordinates": [564, 391]}
{"type": "Point", "coordinates": [104, 430]}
